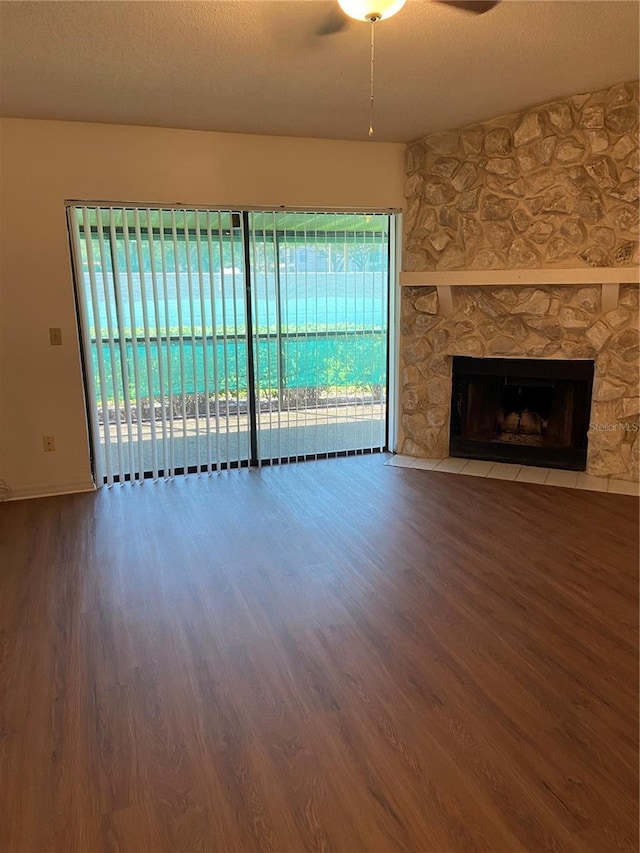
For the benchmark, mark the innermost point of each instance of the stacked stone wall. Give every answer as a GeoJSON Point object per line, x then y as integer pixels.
{"type": "Point", "coordinates": [554, 186]}
{"type": "Point", "coordinates": [519, 322]}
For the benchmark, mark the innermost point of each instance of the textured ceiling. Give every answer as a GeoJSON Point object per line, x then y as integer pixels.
{"type": "Point", "coordinates": [257, 66]}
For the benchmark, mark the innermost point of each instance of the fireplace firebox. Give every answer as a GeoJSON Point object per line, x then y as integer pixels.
{"type": "Point", "coordinates": [527, 411]}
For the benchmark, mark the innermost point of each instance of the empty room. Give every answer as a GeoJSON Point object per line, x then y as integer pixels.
{"type": "Point", "coordinates": [319, 426]}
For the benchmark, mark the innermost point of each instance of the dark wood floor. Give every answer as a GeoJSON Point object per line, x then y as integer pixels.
{"type": "Point", "coordinates": [326, 656]}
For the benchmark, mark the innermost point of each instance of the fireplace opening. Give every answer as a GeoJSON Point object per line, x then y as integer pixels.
{"type": "Point", "coordinates": [528, 411]}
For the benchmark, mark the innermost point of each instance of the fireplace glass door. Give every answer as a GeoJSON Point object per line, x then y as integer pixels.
{"type": "Point", "coordinates": [527, 411]}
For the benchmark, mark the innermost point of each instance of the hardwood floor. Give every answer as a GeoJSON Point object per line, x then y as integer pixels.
{"type": "Point", "coordinates": [326, 656]}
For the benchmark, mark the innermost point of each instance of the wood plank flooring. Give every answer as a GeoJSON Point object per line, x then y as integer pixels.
{"type": "Point", "coordinates": [330, 656]}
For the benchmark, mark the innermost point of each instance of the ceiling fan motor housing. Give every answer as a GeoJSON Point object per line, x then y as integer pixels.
{"type": "Point", "coordinates": [371, 11]}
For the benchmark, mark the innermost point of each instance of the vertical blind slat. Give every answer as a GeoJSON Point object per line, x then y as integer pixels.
{"type": "Point", "coordinates": [281, 260]}
{"type": "Point", "coordinates": [159, 337]}
{"type": "Point", "coordinates": [233, 236]}
{"type": "Point", "coordinates": [317, 340]}
{"type": "Point", "coordinates": [383, 326]}
{"type": "Point", "coordinates": [294, 290]}
{"type": "Point", "coordinates": [181, 353]}
{"type": "Point", "coordinates": [97, 332]}
{"type": "Point", "coordinates": [267, 321]}
{"type": "Point", "coordinates": [203, 347]}
{"type": "Point", "coordinates": [116, 367]}
{"type": "Point", "coordinates": [147, 348]}
{"type": "Point", "coordinates": [170, 454]}
{"type": "Point", "coordinates": [134, 345]}
{"type": "Point", "coordinates": [326, 314]}
{"type": "Point", "coordinates": [214, 336]}
{"type": "Point", "coordinates": [278, 333]}
{"type": "Point", "coordinates": [256, 339]}
{"type": "Point", "coordinates": [122, 343]}
{"type": "Point", "coordinates": [307, 389]}
{"type": "Point", "coordinates": [224, 338]}
{"type": "Point", "coordinates": [194, 366]}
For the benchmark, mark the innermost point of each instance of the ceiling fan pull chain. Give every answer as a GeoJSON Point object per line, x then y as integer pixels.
{"type": "Point", "coordinates": [372, 58]}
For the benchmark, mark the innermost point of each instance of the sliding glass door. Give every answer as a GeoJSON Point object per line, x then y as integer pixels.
{"type": "Point", "coordinates": [222, 338]}
{"type": "Point", "coordinates": [320, 306]}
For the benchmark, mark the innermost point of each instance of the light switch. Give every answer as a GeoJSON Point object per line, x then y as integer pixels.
{"type": "Point", "coordinates": [55, 337]}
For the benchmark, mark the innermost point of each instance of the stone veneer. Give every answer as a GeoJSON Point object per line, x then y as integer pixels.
{"type": "Point", "coordinates": [524, 322]}
{"type": "Point", "coordinates": [553, 186]}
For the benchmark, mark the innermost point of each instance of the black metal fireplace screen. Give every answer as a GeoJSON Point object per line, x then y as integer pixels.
{"type": "Point", "coordinates": [528, 411]}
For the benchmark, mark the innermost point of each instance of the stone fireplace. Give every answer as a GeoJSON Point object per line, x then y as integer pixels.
{"type": "Point", "coordinates": [561, 323]}
{"type": "Point", "coordinates": [518, 231]}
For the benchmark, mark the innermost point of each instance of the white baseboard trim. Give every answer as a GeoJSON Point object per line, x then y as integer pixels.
{"type": "Point", "coordinates": [49, 490]}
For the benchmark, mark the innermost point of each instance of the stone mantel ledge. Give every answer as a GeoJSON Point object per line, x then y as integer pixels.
{"type": "Point", "coordinates": [520, 277]}
{"type": "Point", "coordinates": [609, 279]}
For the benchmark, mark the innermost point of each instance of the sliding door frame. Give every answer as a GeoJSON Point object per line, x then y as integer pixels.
{"type": "Point", "coordinates": [251, 367]}
{"type": "Point", "coordinates": [88, 386]}
{"type": "Point", "coordinates": [254, 460]}
{"type": "Point", "coordinates": [394, 332]}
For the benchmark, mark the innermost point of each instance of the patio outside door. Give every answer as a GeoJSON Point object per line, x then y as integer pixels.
{"type": "Point", "coordinates": [213, 339]}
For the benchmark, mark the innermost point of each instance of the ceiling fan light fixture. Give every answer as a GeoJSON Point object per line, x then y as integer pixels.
{"type": "Point", "coordinates": [371, 10]}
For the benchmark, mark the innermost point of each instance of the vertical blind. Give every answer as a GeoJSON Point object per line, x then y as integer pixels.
{"type": "Point", "coordinates": [223, 338]}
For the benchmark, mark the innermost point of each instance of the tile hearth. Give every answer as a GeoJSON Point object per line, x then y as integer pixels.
{"type": "Point", "coordinates": [518, 473]}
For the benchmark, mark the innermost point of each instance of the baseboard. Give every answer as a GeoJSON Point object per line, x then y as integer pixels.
{"type": "Point", "coordinates": [48, 490]}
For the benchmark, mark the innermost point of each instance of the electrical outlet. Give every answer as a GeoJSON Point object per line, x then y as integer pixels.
{"type": "Point", "coordinates": [55, 337]}
{"type": "Point", "coordinates": [48, 443]}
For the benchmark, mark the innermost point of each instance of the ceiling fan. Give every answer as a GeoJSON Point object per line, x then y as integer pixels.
{"type": "Point", "coordinates": [373, 11]}
{"type": "Point", "coordinates": [339, 17]}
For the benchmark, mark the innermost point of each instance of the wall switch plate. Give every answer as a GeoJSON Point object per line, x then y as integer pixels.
{"type": "Point", "coordinates": [48, 443]}
{"type": "Point", "coordinates": [55, 337]}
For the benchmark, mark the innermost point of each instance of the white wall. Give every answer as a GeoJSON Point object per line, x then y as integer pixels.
{"type": "Point", "coordinates": [44, 163]}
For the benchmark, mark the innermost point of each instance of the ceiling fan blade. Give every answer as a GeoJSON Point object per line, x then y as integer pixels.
{"type": "Point", "coordinates": [477, 7]}
{"type": "Point", "coordinates": [334, 20]}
